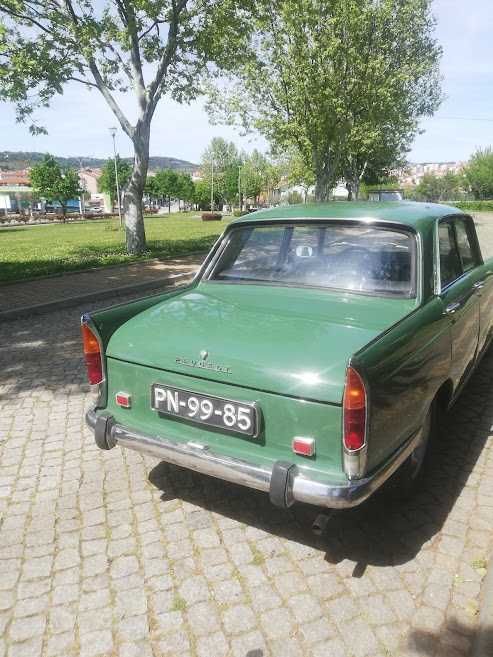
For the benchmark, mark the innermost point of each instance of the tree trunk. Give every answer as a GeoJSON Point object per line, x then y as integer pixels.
{"type": "Point", "coordinates": [132, 201]}
{"type": "Point", "coordinates": [323, 186]}
{"type": "Point", "coordinates": [64, 212]}
{"type": "Point", "coordinates": [323, 179]}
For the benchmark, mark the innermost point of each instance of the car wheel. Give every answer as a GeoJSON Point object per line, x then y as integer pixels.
{"type": "Point", "coordinates": [408, 477]}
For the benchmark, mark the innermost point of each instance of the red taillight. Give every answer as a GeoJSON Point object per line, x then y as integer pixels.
{"type": "Point", "coordinates": [92, 355]}
{"type": "Point", "coordinates": [354, 411]}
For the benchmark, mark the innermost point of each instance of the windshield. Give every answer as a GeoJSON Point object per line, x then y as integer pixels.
{"type": "Point", "coordinates": [356, 258]}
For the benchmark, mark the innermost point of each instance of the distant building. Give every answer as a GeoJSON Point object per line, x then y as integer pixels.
{"type": "Point", "coordinates": [413, 173]}
{"type": "Point", "coordinates": [89, 183]}
{"type": "Point", "coordinates": [15, 178]}
{"type": "Point", "coordinates": [15, 190]}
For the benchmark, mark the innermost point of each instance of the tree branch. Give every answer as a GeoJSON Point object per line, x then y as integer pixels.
{"type": "Point", "coordinates": [156, 23]}
{"type": "Point", "coordinates": [100, 83]}
{"type": "Point", "coordinates": [86, 82]}
{"type": "Point", "coordinates": [24, 17]}
{"type": "Point", "coordinates": [135, 55]}
{"type": "Point", "coordinates": [155, 90]}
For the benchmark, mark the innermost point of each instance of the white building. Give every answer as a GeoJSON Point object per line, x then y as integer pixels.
{"type": "Point", "coordinates": [413, 173]}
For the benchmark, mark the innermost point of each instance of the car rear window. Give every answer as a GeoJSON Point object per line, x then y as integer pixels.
{"type": "Point", "coordinates": [358, 258]}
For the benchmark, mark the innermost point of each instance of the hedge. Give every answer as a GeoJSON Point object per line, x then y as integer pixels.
{"type": "Point", "coordinates": [211, 216]}
{"type": "Point", "coordinates": [474, 206]}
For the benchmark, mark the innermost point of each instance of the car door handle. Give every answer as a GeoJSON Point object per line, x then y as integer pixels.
{"type": "Point", "coordinates": [452, 307]}
{"type": "Point", "coordinates": [478, 285]}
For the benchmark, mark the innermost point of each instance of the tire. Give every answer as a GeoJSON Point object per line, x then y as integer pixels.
{"type": "Point", "coordinates": [406, 481]}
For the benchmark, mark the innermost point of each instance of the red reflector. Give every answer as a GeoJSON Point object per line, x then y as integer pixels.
{"type": "Point", "coordinates": [304, 446]}
{"type": "Point", "coordinates": [92, 355]}
{"type": "Point", "coordinates": [354, 411]}
{"type": "Point", "coordinates": [123, 399]}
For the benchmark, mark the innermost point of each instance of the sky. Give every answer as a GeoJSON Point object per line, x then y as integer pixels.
{"type": "Point", "coordinates": [78, 121]}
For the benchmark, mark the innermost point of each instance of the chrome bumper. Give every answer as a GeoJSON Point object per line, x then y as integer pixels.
{"type": "Point", "coordinates": [285, 482]}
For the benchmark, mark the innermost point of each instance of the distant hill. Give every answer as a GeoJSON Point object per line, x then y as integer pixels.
{"type": "Point", "coordinates": [14, 160]}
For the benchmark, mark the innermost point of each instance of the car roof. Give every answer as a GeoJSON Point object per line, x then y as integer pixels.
{"type": "Point", "coordinates": [408, 213]}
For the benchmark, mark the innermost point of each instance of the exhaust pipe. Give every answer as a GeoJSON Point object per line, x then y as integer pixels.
{"type": "Point", "coordinates": [320, 523]}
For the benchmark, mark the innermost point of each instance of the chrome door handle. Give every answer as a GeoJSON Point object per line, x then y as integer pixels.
{"type": "Point", "coordinates": [452, 308]}
{"type": "Point", "coordinates": [478, 285]}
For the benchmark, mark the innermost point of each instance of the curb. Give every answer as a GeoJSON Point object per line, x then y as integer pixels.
{"type": "Point", "coordinates": [26, 311]}
{"type": "Point", "coordinates": [483, 646]}
{"type": "Point", "coordinates": [73, 272]}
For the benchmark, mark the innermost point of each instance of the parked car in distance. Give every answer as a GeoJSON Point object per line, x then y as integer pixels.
{"type": "Point", "coordinates": [386, 195]}
{"type": "Point", "coordinates": [310, 356]}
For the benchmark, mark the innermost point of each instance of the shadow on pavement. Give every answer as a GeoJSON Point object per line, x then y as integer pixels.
{"type": "Point", "coordinates": [455, 636]}
{"type": "Point", "coordinates": [383, 531]}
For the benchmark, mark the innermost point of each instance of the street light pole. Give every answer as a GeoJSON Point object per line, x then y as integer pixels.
{"type": "Point", "coordinates": [113, 134]}
{"type": "Point", "coordinates": [212, 184]}
{"type": "Point", "coordinates": [239, 188]}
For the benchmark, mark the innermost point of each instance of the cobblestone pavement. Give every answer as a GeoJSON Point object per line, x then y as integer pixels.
{"type": "Point", "coordinates": [115, 554]}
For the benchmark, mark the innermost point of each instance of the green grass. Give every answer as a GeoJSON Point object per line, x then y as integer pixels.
{"type": "Point", "coordinates": [52, 249]}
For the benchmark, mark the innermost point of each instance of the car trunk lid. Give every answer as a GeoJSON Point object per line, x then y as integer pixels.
{"type": "Point", "coordinates": [286, 340]}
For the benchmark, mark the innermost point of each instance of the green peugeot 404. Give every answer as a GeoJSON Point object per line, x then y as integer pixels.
{"type": "Point", "coordinates": [309, 358]}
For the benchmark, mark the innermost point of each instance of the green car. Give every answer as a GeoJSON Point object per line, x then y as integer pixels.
{"type": "Point", "coordinates": [310, 356]}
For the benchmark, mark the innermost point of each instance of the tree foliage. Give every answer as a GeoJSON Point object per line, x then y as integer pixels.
{"type": "Point", "coordinates": [51, 183]}
{"type": "Point", "coordinates": [433, 188]}
{"type": "Point", "coordinates": [343, 81]}
{"type": "Point", "coordinates": [149, 48]}
{"type": "Point", "coordinates": [107, 179]}
{"type": "Point", "coordinates": [221, 160]}
{"type": "Point", "coordinates": [479, 173]}
{"type": "Point", "coordinates": [296, 172]}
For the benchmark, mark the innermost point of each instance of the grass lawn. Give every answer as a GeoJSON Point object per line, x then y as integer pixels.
{"type": "Point", "coordinates": [50, 249]}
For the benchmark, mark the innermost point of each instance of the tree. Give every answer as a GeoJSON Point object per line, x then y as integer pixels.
{"type": "Point", "coordinates": [107, 179]}
{"type": "Point", "coordinates": [222, 159]}
{"type": "Point", "coordinates": [297, 173]}
{"type": "Point", "coordinates": [337, 79]}
{"type": "Point", "coordinates": [149, 47]}
{"type": "Point", "coordinates": [254, 175]}
{"type": "Point", "coordinates": [185, 187]}
{"type": "Point", "coordinates": [166, 185]}
{"type": "Point", "coordinates": [202, 195]}
{"type": "Point", "coordinates": [435, 188]}
{"type": "Point", "coordinates": [51, 183]}
{"type": "Point", "coordinates": [479, 173]}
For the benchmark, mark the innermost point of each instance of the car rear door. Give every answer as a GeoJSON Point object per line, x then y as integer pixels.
{"type": "Point", "coordinates": [459, 262]}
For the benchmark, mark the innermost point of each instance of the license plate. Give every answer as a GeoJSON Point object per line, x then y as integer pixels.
{"type": "Point", "coordinates": [238, 417]}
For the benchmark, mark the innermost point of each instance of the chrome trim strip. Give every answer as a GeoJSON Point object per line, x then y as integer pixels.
{"type": "Point", "coordinates": [302, 488]}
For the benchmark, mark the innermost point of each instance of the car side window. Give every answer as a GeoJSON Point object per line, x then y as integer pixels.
{"type": "Point", "coordinates": [450, 264]}
{"type": "Point", "coordinates": [464, 244]}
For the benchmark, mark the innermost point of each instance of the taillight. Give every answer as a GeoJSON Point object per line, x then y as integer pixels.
{"type": "Point", "coordinates": [92, 355]}
{"type": "Point", "coordinates": [354, 411]}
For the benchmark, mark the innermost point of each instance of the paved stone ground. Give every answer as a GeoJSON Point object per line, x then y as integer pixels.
{"type": "Point", "coordinates": [118, 555]}
{"type": "Point", "coordinates": [15, 296]}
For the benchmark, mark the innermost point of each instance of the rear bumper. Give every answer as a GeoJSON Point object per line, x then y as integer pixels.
{"type": "Point", "coordinates": [285, 482]}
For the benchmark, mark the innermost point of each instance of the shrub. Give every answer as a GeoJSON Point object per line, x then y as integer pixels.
{"type": "Point", "coordinates": [475, 206]}
{"type": "Point", "coordinates": [211, 216]}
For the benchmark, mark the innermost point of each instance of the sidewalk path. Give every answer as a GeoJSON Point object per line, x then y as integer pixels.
{"type": "Point", "coordinates": [45, 294]}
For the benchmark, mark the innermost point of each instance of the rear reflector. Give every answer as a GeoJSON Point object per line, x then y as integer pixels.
{"type": "Point", "coordinates": [123, 399]}
{"type": "Point", "coordinates": [354, 411]}
{"type": "Point", "coordinates": [92, 355]}
{"type": "Point", "coordinates": [303, 446]}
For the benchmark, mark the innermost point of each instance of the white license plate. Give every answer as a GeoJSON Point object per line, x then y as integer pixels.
{"type": "Point", "coordinates": [226, 414]}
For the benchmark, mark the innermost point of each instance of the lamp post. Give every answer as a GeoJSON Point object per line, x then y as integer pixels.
{"type": "Point", "coordinates": [212, 184]}
{"type": "Point", "coordinates": [239, 188]}
{"type": "Point", "coordinates": [113, 134]}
